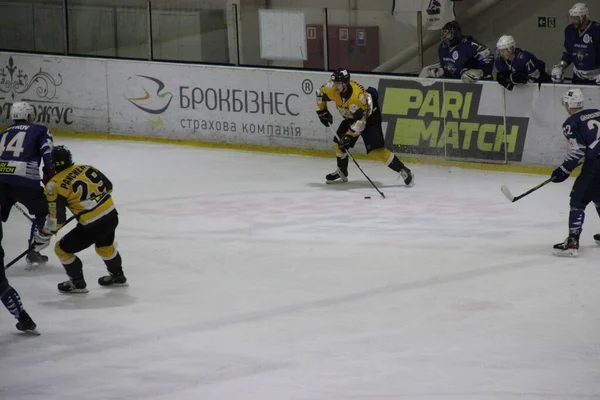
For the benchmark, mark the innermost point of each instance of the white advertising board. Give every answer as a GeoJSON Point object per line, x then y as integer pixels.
{"type": "Point", "coordinates": [67, 93]}
{"type": "Point", "coordinates": [425, 117]}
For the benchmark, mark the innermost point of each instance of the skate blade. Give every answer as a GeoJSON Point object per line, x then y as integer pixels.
{"type": "Point", "coordinates": [336, 181]}
{"type": "Point", "coordinates": [32, 332]}
{"type": "Point", "coordinates": [115, 285]}
{"type": "Point", "coordinates": [75, 291]}
{"type": "Point", "coordinates": [34, 265]}
{"type": "Point", "coordinates": [566, 253]}
{"type": "Point", "coordinates": [597, 241]}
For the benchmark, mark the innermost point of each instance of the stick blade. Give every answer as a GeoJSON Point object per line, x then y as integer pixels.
{"type": "Point", "coordinates": [507, 193]}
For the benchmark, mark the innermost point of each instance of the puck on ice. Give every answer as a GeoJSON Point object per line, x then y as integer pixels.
{"type": "Point", "coordinates": [367, 197]}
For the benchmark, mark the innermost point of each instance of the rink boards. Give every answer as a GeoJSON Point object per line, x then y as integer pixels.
{"type": "Point", "coordinates": [274, 110]}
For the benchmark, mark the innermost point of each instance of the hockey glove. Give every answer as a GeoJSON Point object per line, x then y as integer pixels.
{"type": "Point", "coordinates": [41, 240]}
{"type": "Point", "coordinates": [505, 81]}
{"type": "Point", "coordinates": [435, 72]}
{"type": "Point", "coordinates": [519, 77]}
{"type": "Point", "coordinates": [557, 73]}
{"type": "Point", "coordinates": [345, 142]}
{"type": "Point", "coordinates": [48, 173]}
{"type": "Point", "coordinates": [325, 117]}
{"type": "Point", "coordinates": [560, 174]}
{"type": "Point", "coordinates": [471, 75]}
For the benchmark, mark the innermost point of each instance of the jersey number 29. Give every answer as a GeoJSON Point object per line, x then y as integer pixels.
{"type": "Point", "coordinates": [88, 187]}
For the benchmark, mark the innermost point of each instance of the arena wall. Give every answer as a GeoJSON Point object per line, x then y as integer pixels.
{"type": "Point", "coordinates": [432, 121]}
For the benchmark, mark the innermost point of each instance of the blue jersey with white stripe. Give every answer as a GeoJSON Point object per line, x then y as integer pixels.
{"type": "Point", "coordinates": [582, 48]}
{"type": "Point", "coordinates": [582, 130]}
{"type": "Point", "coordinates": [22, 147]}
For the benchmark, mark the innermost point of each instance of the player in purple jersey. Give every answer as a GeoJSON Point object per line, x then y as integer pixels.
{"type": "Point", "coordinates": [23, 146]}
{"type": "Point", "coordinates": [582, 130]}
{"type": "Point", "coordinates": [582, 48]}
{"type": "Point", "coordinates": [11, 299]}
{"type": "Point", "coordinates": [516, 66]}
{"type": "Point", "coordinates": [461, 57]}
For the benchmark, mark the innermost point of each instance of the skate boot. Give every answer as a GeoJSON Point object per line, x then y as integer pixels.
{"type": "Point", "coordinates": [26, 324]}
{"type": "Point", "coordinates": [35, 259]}
{"type": "Point", "coordinates": [117, 279]}
{"type": "Point", "coordinates": [407, 176]}
{"type": "Point", "coordinates": [568, 248]}
{"type": "Point", "coordinates": [73, 286]}
{"type": "Point", "coordinates": [338, 176]}
{"type": "Point", "coordinates": [597, 238]}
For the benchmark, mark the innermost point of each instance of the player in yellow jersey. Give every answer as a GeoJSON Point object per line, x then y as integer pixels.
{"type": "Point", "coordinates": [361, 115]}
{"type": "Point", "coordinates": [85, 191]}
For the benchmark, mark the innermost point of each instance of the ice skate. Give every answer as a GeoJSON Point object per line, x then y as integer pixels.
{"type": "Point", "coordinates": [568, 248]}
{"type": "Point", "coordinates": [113, 280]}
{"type": "Point", "coordinates": [407, 176]}
{"type": "Point", "coordinates": [34, 259]}
{"type": "Point", "coordinates": [338, 176]}
{"type": "Point", "coordinates": [73, 286]}
{"type": "Point", "coordinates": [26, 324]}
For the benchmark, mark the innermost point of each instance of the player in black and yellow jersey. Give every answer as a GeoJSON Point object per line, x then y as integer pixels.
{"type": "Point", "coordinates": [361, 115]}
{"type": "Point", "coordinates": [85, 191]}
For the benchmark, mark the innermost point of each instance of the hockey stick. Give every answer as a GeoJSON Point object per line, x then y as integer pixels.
{"type": "Point", "coordinates": [31, 247]}
{"type": "Point", "coordinates": [26, 214]}
{"type": "Point", "coordinates": [357, 166]}
{"type": "Point", "coordinates": [71, 218]}
{"type": "Point", "coordinates": [512, 198]}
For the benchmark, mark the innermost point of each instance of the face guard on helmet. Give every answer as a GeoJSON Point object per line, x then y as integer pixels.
{"type": "Point", "coordinates": [451, 34]}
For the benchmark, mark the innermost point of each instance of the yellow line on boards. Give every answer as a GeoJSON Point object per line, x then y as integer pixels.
{"type": "Point", "coordinates": [302, 152]}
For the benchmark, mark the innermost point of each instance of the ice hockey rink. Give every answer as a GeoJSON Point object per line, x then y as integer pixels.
{"type": "Point", "coordinates": [252, 279]}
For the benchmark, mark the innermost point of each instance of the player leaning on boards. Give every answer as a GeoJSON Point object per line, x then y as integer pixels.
{"type": "Point", "coordinates": [23, 146]}
{"type": "Point", "coordinates": [582, 48]}
{"type": "Point", "coordinates": [582, 130]}
{"type": "Point", "coordinates": [361, 115]}
{"type": "Point", "coordinates": [517, 66]}
{"type": "Point", "coordinates": [461, 57]}
{"type": "Point", "coordinates": [85, 191]}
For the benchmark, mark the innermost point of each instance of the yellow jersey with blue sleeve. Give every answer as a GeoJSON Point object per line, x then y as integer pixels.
{"type": "Point", "coordinates": [357, 106]}
{"type": "Point", "coordinates": [84, 190]}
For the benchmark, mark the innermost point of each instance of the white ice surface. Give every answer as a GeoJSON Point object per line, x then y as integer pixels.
{"type": "Point", "coordinates": [252, 279]}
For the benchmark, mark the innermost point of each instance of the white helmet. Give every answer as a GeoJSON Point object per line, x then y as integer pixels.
{"type": "Point", "coordinates": [21, 111]}
{"type": "Point", "coordinates": [573, 98]}
{"type": "Point", "coordinates": [579, 10]}
{"type": "Point", "coordinates": [506, 42]}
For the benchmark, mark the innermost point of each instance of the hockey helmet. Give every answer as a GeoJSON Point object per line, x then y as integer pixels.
{"type": "Point", "coordinates": [61, 158]}
{"type": "Point", "coordinates": [579, 10]}
{"type": "Point", "coordinates": [573, 98]}
{"type": "Point", "coordinates": [506, 42]}
{"type": "Point", "coordinates": [22, 111]}
{"type": "Point", "coordinates": [451, 33]}
{"type": "Point", "coordinates": [340, 75]}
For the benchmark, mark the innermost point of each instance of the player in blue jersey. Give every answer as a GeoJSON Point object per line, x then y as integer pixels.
{"type": "Point", "coordinates": [582, 130]}
{"type": "Point", "coordinates": [516, 66]}
{"type": "Point", "coordinates": [23, 146]}
{"type": "Point", "coordinates": [582, 48]}
{"type": "Point", "coordinates": [11, 299]}
{"type": "Point", "coordinates": [462, 57]}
